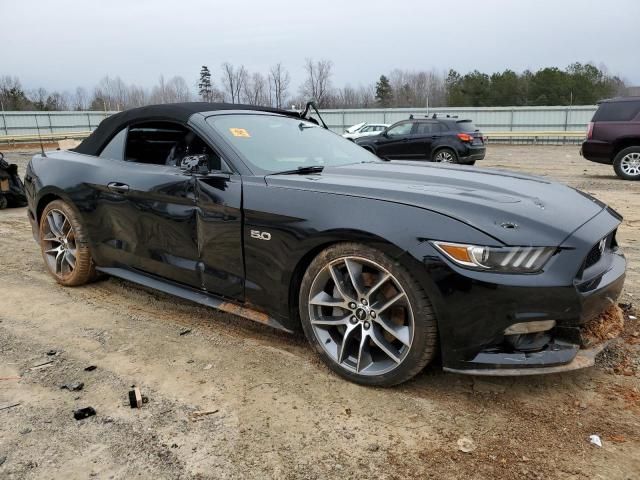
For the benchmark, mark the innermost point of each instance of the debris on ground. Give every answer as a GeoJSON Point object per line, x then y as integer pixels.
{"type": "Point", "coordinates": [466, 445]}
{"type": "Point", "coordinates": [82, 413]}
{"type": "Point", "coordinates": [51, 353]}
{"type": "Point", "coordinates": [90, 368]}
{"type": "Point", "coordinates": [42, 365]}
{"type": "Point", "coordinates": [608, 325]}
{"type": "Point", "coordinates": [7, 407]}
{"type": "Point", "coordinates": [10, 378]}
{"type": "Point", "coordinates": [2, 460]}
{"type": "Point", "coordinates": [208, 366]}
{"type": "Point", "coordinates": [196, 415]}
{"type": "Point", "coordinates": [185, 332]}
{"type": "Point", "coordinates": [73, 387]}
{"type": "Point", "coordinates": [595, 440]}
{"type": "Point", "coordinates": [136, 399]}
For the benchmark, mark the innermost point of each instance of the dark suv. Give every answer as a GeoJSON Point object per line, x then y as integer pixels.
{"type": "Point", "coordinates": [437, 139]}
{"type": "Point", "coordinates": [614, 136]}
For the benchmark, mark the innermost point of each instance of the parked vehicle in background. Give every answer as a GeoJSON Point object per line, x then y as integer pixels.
{"type": "Point", "coordinates": [613, 136]}
{"type": "Point", "coordinates": [364, 130]}
{"type": "Point", "coordinates": [446, 140]}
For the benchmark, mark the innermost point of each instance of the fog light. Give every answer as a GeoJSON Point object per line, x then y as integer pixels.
{"type": "Point", "coordinates": [530, 327]}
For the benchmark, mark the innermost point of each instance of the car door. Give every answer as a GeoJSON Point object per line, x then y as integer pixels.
{"type": "Point", "coordinates": [147, 211]}
{"type": "Point", "coordinates": [219, 220]}
{"type": "Point", "coordinates": [394, 142]}
{"type": "Point", "coordinates": [421, 140]}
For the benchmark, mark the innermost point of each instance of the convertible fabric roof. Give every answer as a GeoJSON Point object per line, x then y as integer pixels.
{"type": "Point", "coordinates": [175, 112]}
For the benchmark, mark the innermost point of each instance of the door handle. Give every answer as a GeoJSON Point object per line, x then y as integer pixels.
{"type": "Point", "coordinates": [118, 187]}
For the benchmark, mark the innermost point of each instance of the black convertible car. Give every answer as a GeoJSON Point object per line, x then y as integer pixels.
{"type": "Point", "coordinates": [384, 265]}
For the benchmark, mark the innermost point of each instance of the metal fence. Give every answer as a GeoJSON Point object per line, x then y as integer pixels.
{"type": "Point", "coordinates": [32, 123]}
{"type": "Point", "coordinates": [488, 119]}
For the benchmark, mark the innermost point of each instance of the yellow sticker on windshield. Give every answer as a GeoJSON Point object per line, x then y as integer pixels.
{"type": "Point", "coordinates": [239, 132]}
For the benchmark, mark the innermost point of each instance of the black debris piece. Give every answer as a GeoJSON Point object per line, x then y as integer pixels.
{"type": "Point", "coordinates": [73, 387]}
{"type": "Point", "coordinates": [185, 332]}
{"type": "Point", "coordinates": [135, 398]}
{"type": "Point", "coordinates": [90, 368]}
{"type": "Point", "coordinates": [52, 352]}
{"type": "Point", "coordinates": [84, 413]}
{"type": "Point", "coordinates": [12, 192]}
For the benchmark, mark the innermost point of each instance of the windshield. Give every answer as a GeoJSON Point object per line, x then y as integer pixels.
{"type": "Point", "coordinates": [270, 143]}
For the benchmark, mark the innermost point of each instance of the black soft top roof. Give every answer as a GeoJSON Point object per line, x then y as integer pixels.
{"type": "Point", "coordinates": [175, 112]}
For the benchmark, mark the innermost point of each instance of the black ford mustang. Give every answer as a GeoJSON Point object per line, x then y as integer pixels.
{"type": "Point", "coordinates": [265, 214]}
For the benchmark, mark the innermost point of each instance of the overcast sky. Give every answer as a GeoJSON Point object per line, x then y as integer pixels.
{"type": "Point", "coordinates": [65, 43]}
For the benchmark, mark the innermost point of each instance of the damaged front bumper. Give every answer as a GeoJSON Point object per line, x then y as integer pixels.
{"type": "Point", "coordinates": [581, 359]}
{"type": "Point", "coordinates": [477, 311]}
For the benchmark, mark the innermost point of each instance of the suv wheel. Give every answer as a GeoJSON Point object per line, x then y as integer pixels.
{"type": "Point", "coordinates": [366, 316]}
{"type": "Point", "coordinates": [627, 163]}
{"type": "Point", "coordinates": [445, 155]}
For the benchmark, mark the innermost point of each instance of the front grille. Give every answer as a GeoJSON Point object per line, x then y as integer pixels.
{"type": "Point", "coordinates": [594, 256]}
{"type": "Point", "coordinates": [599, 249]}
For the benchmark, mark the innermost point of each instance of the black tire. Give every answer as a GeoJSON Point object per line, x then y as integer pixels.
{"type": "Point", "coordinates": [424, 343]}
{"type": "Point", "coordinates": [445, 152]}
{"type": "Point", "coordinates": [83, 270]}
{"type": "Point", "coordinates": [626, 164]}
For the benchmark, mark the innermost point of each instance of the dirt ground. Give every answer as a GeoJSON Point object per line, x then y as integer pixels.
{"type": "Point", "coordinates": [277, 411]}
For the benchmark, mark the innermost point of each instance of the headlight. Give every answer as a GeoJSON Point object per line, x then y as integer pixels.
{"type": "Point", "coordinates": [497, 259]}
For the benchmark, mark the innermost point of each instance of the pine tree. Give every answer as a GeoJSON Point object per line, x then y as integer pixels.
{"type": "Point", "coordinates": [384, 93]}
{"type": "Point", "coordinates": [204, 86]}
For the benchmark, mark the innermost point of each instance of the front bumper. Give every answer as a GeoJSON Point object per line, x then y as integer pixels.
{"type": "Point", "coordinates": [475, 308]}
{"type": "Point", "coordinates": [582, 359]}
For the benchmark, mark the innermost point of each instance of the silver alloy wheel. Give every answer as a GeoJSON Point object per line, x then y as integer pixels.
{"type": "Point", "coordinates": [59, 243]}
{"type": "Point", "coordinates": [444, 156]}
{"type": "Point", "coordinates": [630, 164]}
{"type": "Point", "coordinates": [361, 316]}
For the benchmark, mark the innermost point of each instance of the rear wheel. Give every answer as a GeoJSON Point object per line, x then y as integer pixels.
{"type": "Point", "coordinates": [627, 163]}
{"type": "Point", "coordinates": [64, 245]}
{"type": "Point", "coordinates": [445, 155]}
{"type": "Point", "coordinates": [366, 316]}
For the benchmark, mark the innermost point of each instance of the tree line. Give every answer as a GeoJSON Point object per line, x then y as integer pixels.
{"type": "Point", "coordinates": [578, 84]}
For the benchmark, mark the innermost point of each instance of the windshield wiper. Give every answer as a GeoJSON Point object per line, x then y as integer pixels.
{"type": "Point", "coordinates": [301, 170]}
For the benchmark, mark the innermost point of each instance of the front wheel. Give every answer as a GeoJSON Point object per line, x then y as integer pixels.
{"type": "Point", "coordinates": [366, 316]}
{"type": "Point", "coordinates": [64, 245]}
{"type": "Point", "coordinates": [627, 163]}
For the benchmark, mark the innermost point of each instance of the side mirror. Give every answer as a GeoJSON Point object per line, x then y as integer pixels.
{"type": "Point", "coordinates": [195, 164]}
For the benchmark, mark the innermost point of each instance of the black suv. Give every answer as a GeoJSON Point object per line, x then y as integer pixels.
{"type": "Point", "coordinates": [614, 136]}
{"type": "Point", "coordinates": [436, 139]}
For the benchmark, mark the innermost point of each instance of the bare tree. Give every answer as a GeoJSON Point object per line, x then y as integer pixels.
{"type": "Point", "coordinates": [80, 99]}
{"type": "Point", "coordinates": [113, 92]}
{"type": "Point", "coordinates": [317, 85]}
{"type": "Point", "coordinates": [279, 81]}
{"type": "Point", "coordinates": [233, 80]}
{"type": "Point", "coordinates": [137, 96]}
{"type": "Point", "coordinates": [255, 90]}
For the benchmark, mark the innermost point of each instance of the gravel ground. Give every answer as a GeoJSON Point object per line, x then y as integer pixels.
{"type": "Point", "coordinates": [274, 411]}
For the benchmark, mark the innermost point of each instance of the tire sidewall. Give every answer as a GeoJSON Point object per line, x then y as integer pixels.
{"type": "Point", "coordinates": [446, 149]}
{"type": "Point", "coordinates": [424, 340]}
{"type": "Point", "coordinates": [618, 161]}
{"type": "Point", "coordinates": [84, 270]}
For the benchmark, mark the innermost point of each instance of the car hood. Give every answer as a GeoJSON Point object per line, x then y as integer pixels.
{"type": "Point", "coordinates": [513, 208]}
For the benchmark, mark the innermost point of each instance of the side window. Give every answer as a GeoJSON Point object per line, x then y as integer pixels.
{"type": "Point", "coordinates": [426, 128]}
{"type": "Point", "coordinates": [366, 129]}
{"type": "Point", "coordinates": [115, 148]}
{"type": "Point", "coordinates": [401, 129]}
{"type": "Point", "coordinates": [165, 143]}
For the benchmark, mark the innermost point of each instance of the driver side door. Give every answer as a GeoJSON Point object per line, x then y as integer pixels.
{"type": "Point", "coordinates": [395, 144]}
